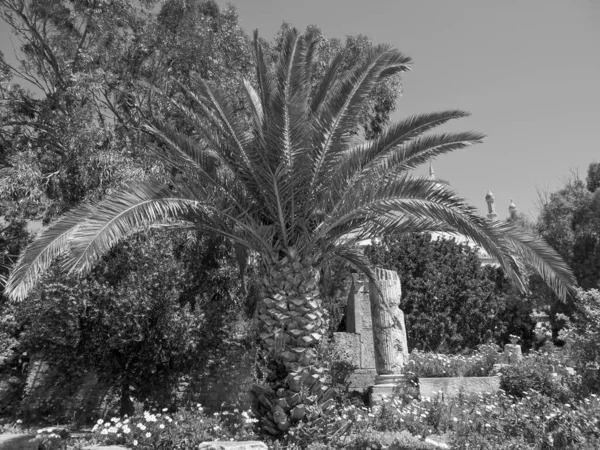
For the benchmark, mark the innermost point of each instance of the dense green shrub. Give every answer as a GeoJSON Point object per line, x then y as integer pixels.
{"type": "Point", "coordinates": [582, 337]}
{"type": "Point", "coordinates": [546, 372]}
{"type": "Point", "coordinates": [158, 306]}
{"type": "Point", "coordinates": [379, 440]}
{"type": "Point", "coordinates": [535, 421]}
{"type": "Point", "coordinates": [474, 364]}
{"type": "Point", "coordinates": [451, 303]}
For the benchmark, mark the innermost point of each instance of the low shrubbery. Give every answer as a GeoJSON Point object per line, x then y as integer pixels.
{"type": "Point", "coordinates": [433, 365]}
{"type": "Point", "coordinates": [582, 337]}
{"type": "Point", "coordinates": [184, 429]}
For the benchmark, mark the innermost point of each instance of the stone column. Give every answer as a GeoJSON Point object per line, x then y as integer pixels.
{"type": "Point", "coordinates": [389, 335]}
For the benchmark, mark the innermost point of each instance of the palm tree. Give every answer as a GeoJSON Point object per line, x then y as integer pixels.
{"type": "Point", "coordinates": [297, 187]}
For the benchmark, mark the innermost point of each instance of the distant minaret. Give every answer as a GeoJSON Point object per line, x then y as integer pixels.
{"type": "Point", "coordinates": [431, 173]}
{"type": "Point", "coordinates": [489, 198]}
{"type": "Point", "coordinates": [512, 209]}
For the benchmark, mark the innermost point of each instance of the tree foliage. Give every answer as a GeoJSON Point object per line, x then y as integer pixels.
{"type": "Point", "coordinates": [569, 220]}
{"type": "Point", "coordinates": [155, 308]}
{"type": "Point", "coordinates": [451, 303]}
{"type": "Point", "coordinates": [297, 181]}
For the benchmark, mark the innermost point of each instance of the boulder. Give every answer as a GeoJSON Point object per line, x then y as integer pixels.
{"type": "Point", "coordinates": [229, 445]}
{"type": "Point", "coordinates": [104, 447]}
{"type": "Point", "coordinates": [19, 442]}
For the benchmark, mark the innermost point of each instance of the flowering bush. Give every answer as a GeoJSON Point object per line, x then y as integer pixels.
{"type": "Point", "coordinates": [497, 421]}
{"type": "Point", "coordinates": [582, 337]}
{"type": "Point", "coordinates": [478, 363]}
{"type": "Point", "coordinates": [546, 371]}
{"type": "Point", "coordinates": [532, 422]}
{"type": "Point", "coordinates": [182, 430]}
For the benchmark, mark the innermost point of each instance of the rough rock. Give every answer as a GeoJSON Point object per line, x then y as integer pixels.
{"type": "Point", "coordinates": [19, 442]}
{"type": "Point", "coordinates": [225, 445]}
{"type": "Point", "coordinates": [105, 447]}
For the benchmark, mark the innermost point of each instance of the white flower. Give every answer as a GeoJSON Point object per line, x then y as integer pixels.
{"type": "Point", "coordinates": [161, 426]}
{"type": "Point", "coordinates": [135, 443]}
{"type": "Point", "coordinates": [148, 435]}
{"type": "Point", "coordinates": [100, 422]}
{"type": "Point", "coordinates": [104, 431]}
{"type": "Point", "coordinates": [165, 409]}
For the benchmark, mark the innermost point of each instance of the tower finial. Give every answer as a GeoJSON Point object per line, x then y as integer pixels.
{"type": "Point", "coordinates": [431, 173]}
{"type": "Point", "coordinates": [489, 198]}
{"type": "Point", "coordinates": [512, 208]}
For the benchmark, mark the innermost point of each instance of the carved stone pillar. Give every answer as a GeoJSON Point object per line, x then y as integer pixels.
{"type": "Point", "coordinates": [389, 336]}
{"type": "Point", "coordinates": [389, 332]}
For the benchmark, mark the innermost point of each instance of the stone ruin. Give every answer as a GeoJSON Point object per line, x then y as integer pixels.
{"type": "Point", "coordinates": [374, 343]}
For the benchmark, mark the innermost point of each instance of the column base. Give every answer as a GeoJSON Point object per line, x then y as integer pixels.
{"type": "Point", "coordinates": [386, 386]}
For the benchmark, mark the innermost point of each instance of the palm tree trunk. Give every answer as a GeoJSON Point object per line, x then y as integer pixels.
{"type": "Point", "coordinates": [291, 323]}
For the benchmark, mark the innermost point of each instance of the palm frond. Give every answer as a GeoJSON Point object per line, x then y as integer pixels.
{"type": "Point", "coordinates": [248, 162]}
{"type": "Point", "coordinates": [118, 216]}
{"type": "Point", "coordinates": [421, 149]}
{"type": "Point", "coordinates": [543, 258]}
{"type": "Point", "coordinates": [374, 152]}
{"type": "Point", "coordinates": [398, 148]}
{"type": "Point", "coordinates": [338, 116]}
{"type": "Point", "coordinates": [38, 256]}
{"type": "Point", "coordinates": [188, 150]}
{"type": "Point", "coordinates": [419, 198]}
{"type": "Point", "coordinates": [328, 80]}
{"type": "Point", "coordinates": [256, 107]}
{"type": "Point", "coordinates": [262, 73]}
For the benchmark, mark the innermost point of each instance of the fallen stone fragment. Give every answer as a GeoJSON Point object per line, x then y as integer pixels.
{"type": "Point", "coordinates": [226, 445]}
{"type": "Point", "coordinates": [19, 442]}
{"type": "Point", "coordinates": [105, 447]}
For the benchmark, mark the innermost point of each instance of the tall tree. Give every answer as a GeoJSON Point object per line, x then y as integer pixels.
{"type": "Point", "coordinates": [570, 221]}
{"type": "Point", "coordinates": [154, 308]}
{"type": "Point", "coordinates": [297, 188]}
{"type": "Point", "coordinates": [75, 135]}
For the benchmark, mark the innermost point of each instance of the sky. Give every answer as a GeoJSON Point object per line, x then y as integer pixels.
{"type": "Point", "coordinates": [527, 70]}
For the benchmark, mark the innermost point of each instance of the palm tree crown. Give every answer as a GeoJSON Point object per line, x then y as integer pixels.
{"type": "Point", "coordinates": [296, 181]}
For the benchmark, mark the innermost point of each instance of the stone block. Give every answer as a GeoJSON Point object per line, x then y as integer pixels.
{"type": "Point", "coordinates": [512, 354]}
{"type": "Point", "coordinates": [367, 350]}
{"type": "Point", "coordinates": [9, 391]}
{"type": "Point", "coordinates": [105, 447]}
{"type": "Point", "coordinates": [386, 386]}
{"type": "Point", "coordinates": [347, 347]}
{"type": "Point", "coordinates": [360, 379]}
{"type": "Point", "coordinates": [19, 442]}
{"type": "Point", "coordinates": [452, 386]}
{"type": "Point", "coordinates": [227, 445]}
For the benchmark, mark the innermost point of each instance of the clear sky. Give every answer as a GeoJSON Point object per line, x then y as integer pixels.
{"type": "Point", "coordinates": [527, 70]}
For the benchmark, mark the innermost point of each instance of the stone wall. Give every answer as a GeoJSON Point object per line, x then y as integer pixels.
{"type": "Point", "coordinates": [453, 386]}
{"type": "Point", "coordinates": [50, 393]}
{"type": "Point", "coordinates": [355, 347]}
